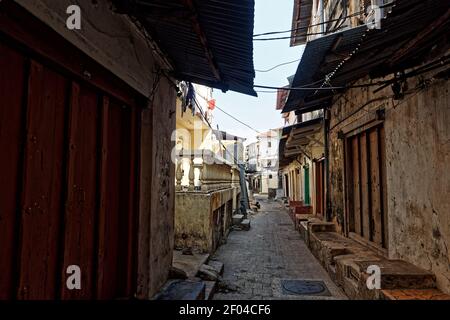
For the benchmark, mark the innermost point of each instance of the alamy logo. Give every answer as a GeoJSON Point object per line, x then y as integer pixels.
{"type": "Point", "coordinates": [73, 22]}
{"type": "Point", "coordinates": [73, 281]}
{"type": "Point", "coordinates": [374, 280]}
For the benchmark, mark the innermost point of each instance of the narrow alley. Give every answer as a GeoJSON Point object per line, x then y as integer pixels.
{"type": "Point", "coordinates": [257, 261]}
{"type": "Point", "coordinates": [197, 150]}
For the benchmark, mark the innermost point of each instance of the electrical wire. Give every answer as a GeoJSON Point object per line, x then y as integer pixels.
{"type": "Point", "coordinates": [312, 25]}
{"type": "Point", "coordinates": [278, 65]}
{"type": "Point", "coordinates": [231, 116]}
{"type": "Point", "coordinates": [310, 34]}
{"type": "Point", "coordinates": [442, 62]}
{"type": "Point", "coordinates": [243, 123]}
{"type": "Point", "coordinates": [290, 37]}
{"type": "Point", "coordinates": [324, 22]}
{"type": "Point", "coordinates": [306, 88]}
{"type": "Point", "coordinates": [202, 113]}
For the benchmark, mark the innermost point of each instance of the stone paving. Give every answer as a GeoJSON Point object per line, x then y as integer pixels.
{"type": "Point", "coordinates": [256, 260]}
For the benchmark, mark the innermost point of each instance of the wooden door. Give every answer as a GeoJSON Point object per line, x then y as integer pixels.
{"type": "Point", "coordinates": [366, 185]}
{"type": "Point", "coordinates": [68, 170]}
{"type": "Point", "coordinates": [307, 198]}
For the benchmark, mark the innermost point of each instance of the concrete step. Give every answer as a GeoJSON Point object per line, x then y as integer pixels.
{"type": "Point", "coordinates": [237, 219]}
{"type": "Point", "coordinates": [245, 224]}
{"type": "Point", "coordinates": [210, 289]}
{"type": "Point", "coordinates": [398, 274]}
{"type": "Point", "coordinates": [217, 265]}
{"type": "Point", "coordinates": [208, 273]}
{"type": "Point", "coordinates": [190, 264]}
{"type": "Point", "coordinates": [414, 294]}
{"type": "Point", "coordinates": [182, 290]}
{"type": "Point", "coordinates": [395, 275]}
{"type": "Point", "coordinates": [323, 227]}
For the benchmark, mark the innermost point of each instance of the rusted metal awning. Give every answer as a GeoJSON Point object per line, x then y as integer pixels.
{"type": "Point", "coordinates": [298, 137]}
{"type": "Point", "coordinates": [320, 57]}
{"type": "Point", "coordinates": [282, 159]}
{"type": "Point", "coordinates": [209, 42]}
{"type": "Point", "coordinates": [301, 126]}
{"type": "Point", "coordinates": [407, 34]}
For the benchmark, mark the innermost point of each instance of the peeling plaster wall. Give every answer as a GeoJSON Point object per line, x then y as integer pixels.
{"type": "Point", "coordinates": [418, 181]}
{"type": "Point", "coordinates": [158, 186]}
{"type": "Point", "coordinates": [114, 42]}
{"type": "Point", "coordinates": [194, 219]}
{"type": "Point", "coordinates": [417, 131]}
{"type": "Point", "coordinates": [109, 38]}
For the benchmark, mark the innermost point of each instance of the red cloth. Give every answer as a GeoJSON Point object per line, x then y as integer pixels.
{"type": "Point", "coordinates": [211, 104]}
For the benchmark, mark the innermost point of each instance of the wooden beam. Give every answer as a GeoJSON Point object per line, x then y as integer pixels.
{"type": "Point", "coordinates": [417, 40]}
{"type": "Point", "coordinates": [202, 37]}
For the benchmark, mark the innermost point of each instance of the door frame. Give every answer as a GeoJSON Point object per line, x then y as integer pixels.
{"type": "Point", "coordinates": [348, 133]}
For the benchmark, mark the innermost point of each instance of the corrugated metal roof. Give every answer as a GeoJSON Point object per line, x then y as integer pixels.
{"type": "Point", "coordinates": [405, 21]}
{"type": "Point", "coordinates": [281, 98]}
{"type": "Point", "coordinates": [305, 124]}
{"type": "Point", "coordinates": [313, 67]}
{"type": "Point", "coordinates": [227, 27]}
{"type": "Point", "coordinates": [282, 160]}
{"type": "Point", "coordinates": [371, 54]}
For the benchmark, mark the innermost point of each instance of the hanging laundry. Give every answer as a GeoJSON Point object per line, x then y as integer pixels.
{"type": "Point", "coordinates": [184, 88]}
{"type": "Point", "coordinates": [212, 104]}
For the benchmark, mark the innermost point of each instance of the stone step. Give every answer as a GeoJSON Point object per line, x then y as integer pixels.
{"type": "Point", "coordinates": [395, 275]}
{"type": "Point", "coordinates": [323, 227]}
{"type": "Point", "coordinates": [182, 290]}
{"type": "Point", "coordinates": [217, 265]}
{"type": "Point", "coordinates": [398, 274]}
{"type": "Point", "coordinates": [414, 294]}
{"type": "Point", "coordinates": [245, 224]}
{"type": "Point", "coordinates": [208, 273]}
{"type": "Point", "coordinates": [237, 219]}
{"type": "Point", "coordinates": [210, 289]}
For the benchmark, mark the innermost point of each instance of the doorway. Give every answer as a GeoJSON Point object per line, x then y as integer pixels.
{"type": "Point", "coordinates": [366, 185]}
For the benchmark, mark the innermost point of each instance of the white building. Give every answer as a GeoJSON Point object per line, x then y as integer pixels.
{"type": "Point", "coordinates": [262, 163]}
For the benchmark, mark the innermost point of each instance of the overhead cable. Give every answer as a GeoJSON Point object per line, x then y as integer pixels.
{"type": "Point", "coordinates": [278, 65]}
{"type": "Point", "coordinates": [306, 28]}
{"type": "Point", "coordinates": [231, 116]}
{"type": "Point", "coordinates": [324, 22]}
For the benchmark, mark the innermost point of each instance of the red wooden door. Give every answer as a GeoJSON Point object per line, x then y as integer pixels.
{"type": "Point", "coordinates": [68, 181]}
{"type": "Point", "coordinates": [41, 201]}
{"type": "Point", "coordinates": [13, 81]}
{"type": "Point", "coordinates": [81, 202]}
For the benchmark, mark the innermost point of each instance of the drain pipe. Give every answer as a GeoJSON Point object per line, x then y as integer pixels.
{"type": "Point", "coordinates": [327, 165]}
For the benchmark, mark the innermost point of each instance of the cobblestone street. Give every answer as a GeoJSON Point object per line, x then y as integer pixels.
{"type": "Point", "coordinates": [257, 260]}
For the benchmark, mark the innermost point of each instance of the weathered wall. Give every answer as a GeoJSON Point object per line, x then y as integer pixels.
{"type": "Point", "coordinates": [417, 167]}
{"type": "Point", "coordinates": [418, 184]}
{"type": "Point", "coordinates": [109, 38]}
{"type": "Point", "coordinates": [115, 42]}
{"type": "Point", "coordinates": [158, 188]}
{"type": "Point", "coordinates": [194, 219]}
